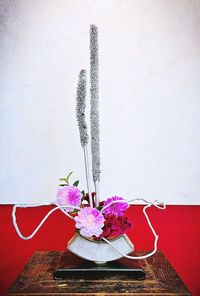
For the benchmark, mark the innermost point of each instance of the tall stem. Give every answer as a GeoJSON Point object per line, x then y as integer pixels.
{"type": "Point", "coordinates": [97, 199]}
{"type": "Point", "coordinates": [94, 112]}
{"type": "Point", "coordinates": [87, 173]}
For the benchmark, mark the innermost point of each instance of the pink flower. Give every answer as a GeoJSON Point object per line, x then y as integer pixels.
{"type": "Point", "coordinates": [69, 196]}
{"type": "Point", "coordinates": [115, 209]}
{"type": "Point", "coordinates": [90, 222]}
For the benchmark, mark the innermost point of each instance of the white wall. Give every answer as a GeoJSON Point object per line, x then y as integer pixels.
{"type": "Point", "coordinates": [149, 97]}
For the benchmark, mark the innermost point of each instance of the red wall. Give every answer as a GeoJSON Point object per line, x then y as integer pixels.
{"type": "Point", "coordinates": [178, 227]}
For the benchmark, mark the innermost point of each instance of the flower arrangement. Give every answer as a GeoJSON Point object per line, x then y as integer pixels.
{"type": "Point", "coordinates": [95, 219]}
{"type": "Point", "coordinates": [105, 220]}
{"type": "Point", "coordinates": [102, 223]}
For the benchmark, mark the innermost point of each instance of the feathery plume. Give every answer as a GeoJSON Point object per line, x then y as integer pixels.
{"type": "Point", "coordinates": [80, 108]}
{"type": "Point", "coordinates": [80, 114]}
{"type": "Point", "coordinates": [94, 112]}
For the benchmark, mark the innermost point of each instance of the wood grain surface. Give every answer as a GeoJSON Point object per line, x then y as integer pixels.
{"type": "Point", "coordinates": [37, 278]}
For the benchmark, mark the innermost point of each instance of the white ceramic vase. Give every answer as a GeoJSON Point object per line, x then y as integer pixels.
{"type": "Point", "coordinates": [99, 251]}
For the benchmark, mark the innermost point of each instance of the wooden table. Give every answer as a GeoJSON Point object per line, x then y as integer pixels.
{"type": "Point", "coordinates": [37, 278]}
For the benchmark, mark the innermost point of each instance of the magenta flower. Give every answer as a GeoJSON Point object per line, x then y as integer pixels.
{"type": "Point", "coordinates": [115, 209]}
{"type": "Point", "coordinates": [90, 222]}
{"type": "Point", "coordinates": [115, 226]}
{"type": "Point", "coordinates": [68, 195]}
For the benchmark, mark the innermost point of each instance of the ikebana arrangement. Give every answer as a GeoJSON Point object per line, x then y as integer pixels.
{"type": "Point", "coordinates": [95, 220]}
{"type": "Point", "coordinates": [100, 223]}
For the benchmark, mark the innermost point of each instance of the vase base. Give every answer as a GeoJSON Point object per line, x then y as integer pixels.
{"type": "Point", "coordinates": [100, 262]}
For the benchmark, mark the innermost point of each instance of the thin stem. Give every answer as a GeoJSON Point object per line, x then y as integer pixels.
{"type": "Point", "coordinates": [87, 175]}
{"type": "Point", "coordinates": [97, 199]}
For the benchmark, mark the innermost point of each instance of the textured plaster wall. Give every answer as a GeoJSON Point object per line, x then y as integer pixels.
{"type": "Point", "coordinates": [149, 97]}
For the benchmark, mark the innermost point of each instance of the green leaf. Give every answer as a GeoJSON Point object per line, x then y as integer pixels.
{"type": "Point", "coordinates": [83, 195]}
{"type": "Point", "coordinates": [63, 179]}
{"type": "Point", "coordinates": [62, 184]}
{"type": "Point", "coordinates": [76, 183]}
{"type": "Point", "coordinates": [68, 177]}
